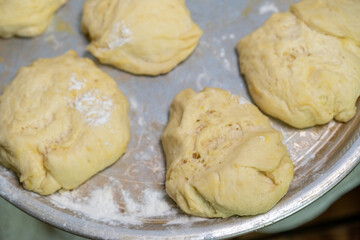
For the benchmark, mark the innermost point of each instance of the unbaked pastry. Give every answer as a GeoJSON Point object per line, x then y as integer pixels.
{"type": "Point", "coordinates": [142, 36]}
{"type": "Point", "coordinates": [339, 18]}
{"type": "Point", "coordinates": [26, 18]}
{"type": "Point", "coordinates": [299, 75]}
{"type": "Point", "coordinates": [223, 158]}
{"type": "Point", "coordinates": [61, 121]}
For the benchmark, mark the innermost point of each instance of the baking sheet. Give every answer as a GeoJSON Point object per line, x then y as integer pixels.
{"type": "Point", "coordinates": [128, 200]}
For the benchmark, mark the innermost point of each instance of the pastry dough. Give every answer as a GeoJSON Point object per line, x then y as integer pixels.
{"type": "Point", "coordinates": [61, 121]}
{"type": "Point", "coordinates": [142, 36]}
{"type": "Point", "coordinates": [26, 18]}
{"type": "Point", "coordinates": [339, 18]}
{"type": "Point", "coordinates": [299, 75]}
{"type": "Point", "coordinates": [223, 157]}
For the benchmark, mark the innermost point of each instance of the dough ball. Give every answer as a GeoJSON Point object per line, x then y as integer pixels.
{"type": "Point", "coordinates": [142, 36]}
{"type": "Point", "coordinates": [299, 75]}
{"type": "Point", "coordinates": [26, 18]}
{"type": "Point", "coordinates": [223, 157]}
{"type": "Point", "coordinates": [62, 120]}
{"type": "Point", "coordinates": [339, 18]}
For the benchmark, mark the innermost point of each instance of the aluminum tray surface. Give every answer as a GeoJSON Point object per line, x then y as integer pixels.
{"type": "Point", "coordinates": [128, 200]}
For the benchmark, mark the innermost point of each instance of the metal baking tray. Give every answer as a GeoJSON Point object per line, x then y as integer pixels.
{"type": "Point", "coordinates": [322, 155]}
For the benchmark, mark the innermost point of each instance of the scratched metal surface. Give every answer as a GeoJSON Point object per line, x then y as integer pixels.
{"type": "Point", "coordinates": [322, 155]}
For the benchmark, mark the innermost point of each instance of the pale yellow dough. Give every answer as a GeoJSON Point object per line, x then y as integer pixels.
{"type": "Point", "coordinates": [26, 18]}
{"type": "Point", "coordinates": [142, 36]}
{"type": "Point", "coordinates": [339, 18]}
{"type": "Point", "coordinates": [62, 120]}
{"type": "Point", "coordinates": [223, 158]}
{"type": "Point", "coordinates": [299, 75]}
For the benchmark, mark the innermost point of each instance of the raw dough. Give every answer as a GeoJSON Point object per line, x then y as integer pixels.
{"type": "Point", "coordinates": [299, 75]}
{"type": "Point", "coordinates": [26, 18]}
{"type": "Point", "coordinates": [142, 36]}
{"type": "Point", "coordinates": [339, 18]}
{"type": "Point", "coordinates": [223, 157]}
{"type": "Point", "coordinates": [61, 121]}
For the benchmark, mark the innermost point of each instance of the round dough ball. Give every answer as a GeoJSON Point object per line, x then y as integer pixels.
{"type": "Point", "coordinates": [142, 36]}
{"type": "Point", "coordinates": [223, 157]}
{"type": "Point", "coordinates": [26, 18]}
{"type": "Point", "coordinates": [62, 120]}
{"type": "Point", "coordinates": [299, 75]}
{"type": "Point", "coordinates": [339, 18]}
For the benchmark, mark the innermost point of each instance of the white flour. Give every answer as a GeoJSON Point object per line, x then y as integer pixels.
{"type": "Point", "coordinates": [75, 83]}
{"type": "Point", "coordinates": [141, 121]}
{"type": "Point", "coordinates": [186, 220]}
{"type": "Point", "coordinates": [202, 80]}
{"type": "Point", "coordinates": [220, 51]}
{"type": "Point", "coordinates": [101, 205]}
{"type": "Point", "coordinates": [238, 99]}
{"type": "Point", "coordinates": [268, 7]}
{"type": "Point", "coordinates": [152, 204]}
{"type": "Point", "coordinates": [53, 41]}
{"type": "Point", "coordinates": [133, 103]}
{"type": "Point", "coordinates": [120, 34]}
{"type": "Point", "coordinates": [94, 106]}
{"type": "Point", "coordinates": [227, 64]}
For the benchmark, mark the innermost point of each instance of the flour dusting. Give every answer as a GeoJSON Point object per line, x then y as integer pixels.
{"type": "Point", "coordinates": [202, 80]}
{"type": "Point", "coordinates": [222, 52]}
{"type": "Point", "coordinates": [155, 204]}
{"type": "Point", "coordinates": [238, 99]}
{"type": "Point", "coordinates": [268, 7]}
{"type": "Point", "coordinates": [120, 34]}
{"type": "Point", "coordinates": [185, 220]}
{"type": "Point", "coordinates": [152, 204]}
{"type": "Point", "coordinates": [101, 205]}
{"type": "Point", "coordinates": [133, 103]}
{"type": "Point", "coordinates": [53, 41]}
{"type": "Point", "coordinates": [227, 64]}
{"type": "Point", "coordinates": [95, 107]}
{"type": "Point", "coordinates": [75, 83]}
{"type": "Point", "coordinates": [141, 121]}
